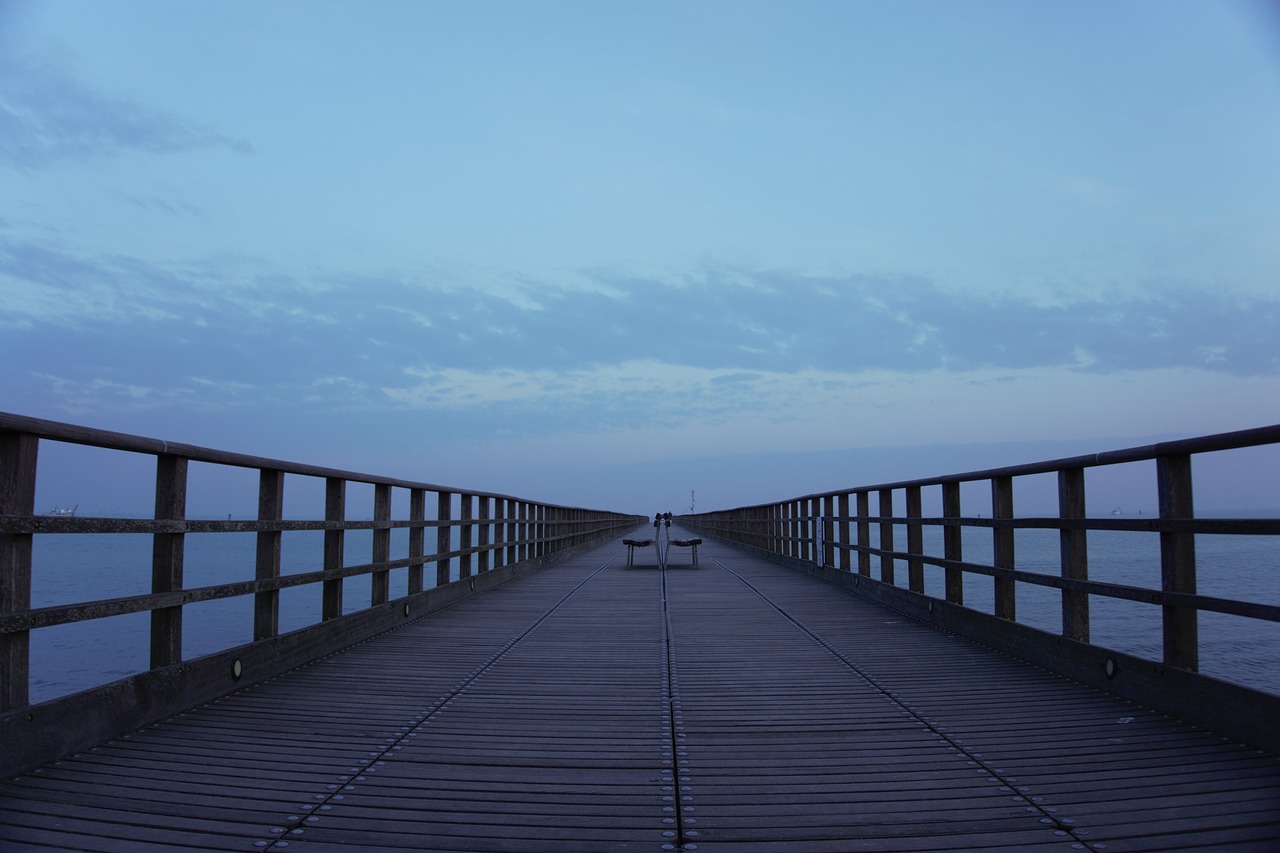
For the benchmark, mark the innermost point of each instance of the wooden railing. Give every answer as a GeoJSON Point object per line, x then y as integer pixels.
{"type": "Point", "coordinates": [480, 538]}
{"type": "Point", "coordinates": [842, 534]}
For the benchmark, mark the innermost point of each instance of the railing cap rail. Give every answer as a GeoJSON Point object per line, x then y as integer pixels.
{"type": "Point", "coordinates": [74, 434]}
{"type": "Point", "coordinates": [1202, 444]}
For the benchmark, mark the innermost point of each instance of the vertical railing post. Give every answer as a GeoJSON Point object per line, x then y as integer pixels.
{"type": "Point", "coordinates": [952, 543]}
{"type": "Point", "coordinates": [524, 531]}
{"type": "Point", "coordinates": [380, 582]}
{"type": "Point", "coordinates": [464, 535]}
{"type": "Point", "coordinates": [1002, 544]}
{"type": "Point", "coordinates": [18, 452]}
{"type": "Point", "coordinates": [483, 535]}
{"type": "Point", "coordinates": [335, 515]}
{"type": "Point", "coordinates": [842, 532]}
{"type": "Point", "coordinates": [1178, 561]}
{"type": "Point", "coordinates": [499, 532]}
{"type": "Point", "coordinates": [513, 533]}
{"type": "Point", "coordinates": [539, 530]}
{"type": "Point", "coordinates": [1074, 549]}
{"type": "Point", "coordinates": [166, 559]}
{"type": "Point", "coordinates": [417, 538]}
{"type": "Point", "coordinates": [444, 536]}
{"type": "Point", "coordinates": [797, 530]}
{"type": "Point", "coordinates": [915, 540]}
{"type": "Point", "coordinates": [784, 529]}
{"type": "Point", "coordinates": [828, 530]}
{"type": "Point", "coordinates": [864, 533]}
{"type": "Point", "coordinates": [886, 535]}
{"type": "Point", "coordinates": [266, 604]}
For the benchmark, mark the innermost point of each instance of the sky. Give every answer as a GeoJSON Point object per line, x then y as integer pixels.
{"type": "Point", "coordinates": [609, 254]}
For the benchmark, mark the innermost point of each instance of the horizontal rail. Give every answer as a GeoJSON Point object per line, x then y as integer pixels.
{"type": "Point", "coordinates": [849, 530]}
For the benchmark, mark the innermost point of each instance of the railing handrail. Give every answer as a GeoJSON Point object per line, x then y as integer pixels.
{"type": "Point", "coordinates": [108, 440]}
{"type": "Point", "coordinates": [1236, 440]}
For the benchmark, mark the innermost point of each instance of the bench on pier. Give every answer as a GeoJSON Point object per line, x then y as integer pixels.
{"type": "Point", "coordinates": [689, 543]}
{"type": "Point", "coordinates": [632, 545]}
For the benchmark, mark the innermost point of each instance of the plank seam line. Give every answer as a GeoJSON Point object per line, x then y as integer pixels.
{"type": "Point", "coordinates": [683, 836]}
{"type": "Point", "coordinates": [296, 824]}
{"type": "Point", "coordinates": [1050, 818]}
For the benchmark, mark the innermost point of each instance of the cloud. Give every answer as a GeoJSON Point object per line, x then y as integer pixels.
{"type": "Point", "coordinates": [238, 316]}
{"type": "Point", "coordinates": [47, 117]}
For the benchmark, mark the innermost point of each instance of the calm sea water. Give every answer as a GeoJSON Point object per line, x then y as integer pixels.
{"type": "Point", "coordinates": [78, 568]}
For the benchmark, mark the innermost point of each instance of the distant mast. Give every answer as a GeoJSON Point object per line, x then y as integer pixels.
{"type": "Point", "coordinates": [692, 495]}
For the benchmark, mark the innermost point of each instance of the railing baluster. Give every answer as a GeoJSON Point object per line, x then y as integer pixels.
{"type": "Point", "coordinates": [499, 532]}
{"type": "Point", "coordinates": [335, 511]}
{"type": "Point", "coordinates": [842, 532]}
{"type": "Point", "coordinates": [483, 535]}
{"type": "Point", "coordinates": [513, 532]}
{"type": "Point", "coordinates": [18, 452]}
{"type": "Point", "coordinates": [417, 537]}
{"type": "Point", "coordinates": [952, 543]}
{"type": "Point", "coordinates": [828, 531]}
{"type": "Point", "coordinates": [380, 582]}
{"type": "Point", "coordinates": [1074, 547]}
{"type": "Point", "coordinates": [886, 536]}
{"type": "Point", "coordinates": [444, 538]}
{"type": "Point", "coordinates": [166, 559]}
{"type": "Point", "coordinates": [266, 604]}
{"type": "Point", "coordinates": [1002, 546]}
{"type": "Point", "coordinates": [1178, 561]}
{"type": "Point", "coordinates": [864, 533]}
{"type": "Point", "coordinates": [915, 540]}
{"type": "Point", "coordinates": [464, 535]}
{"type": "Point", "coordinates": [524, 531]}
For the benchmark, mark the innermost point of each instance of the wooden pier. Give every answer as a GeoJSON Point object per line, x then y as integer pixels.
{"type": "Point", "coordinates": [595, 707]}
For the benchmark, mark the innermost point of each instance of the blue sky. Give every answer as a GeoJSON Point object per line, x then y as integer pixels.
{"type": "Point", "coordinates": [605, 254]}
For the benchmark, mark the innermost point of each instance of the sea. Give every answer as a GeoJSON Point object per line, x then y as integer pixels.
{"type": "Point", "coordinates": [76, 568]}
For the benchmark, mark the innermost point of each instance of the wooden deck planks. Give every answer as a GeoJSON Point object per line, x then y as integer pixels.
{"type": "Point", "coordinates": [591, 707]}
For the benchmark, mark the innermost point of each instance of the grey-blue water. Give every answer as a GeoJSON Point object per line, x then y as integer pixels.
{"type": "Point", "coordinates": [78, 568]}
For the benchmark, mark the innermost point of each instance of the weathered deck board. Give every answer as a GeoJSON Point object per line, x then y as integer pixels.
{"type": "Point", "coordinates": [592, 707]}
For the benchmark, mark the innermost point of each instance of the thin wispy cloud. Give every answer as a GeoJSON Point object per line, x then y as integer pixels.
{"type": "Point", "coordinates": [47, 117]}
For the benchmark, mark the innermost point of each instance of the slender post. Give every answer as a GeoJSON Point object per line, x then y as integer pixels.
{"type": "Point", "coordinates": [1074, 548]}
{"type": "Point", "coordinates": [1178, 561]}
{"type": "Point", "coordinates": [266, 605]}
{"type": "Point", "coordinates": [828, 531]}
{"type": "Point", "coordinates": [952, 539]}
{"type": "Point", "coordinates": [864, 533]}
{"type": "Point", "coordinates": [380, 581]}
{"type": "Point", "coordinates": [799, 518]}
{"type": "Point", "coordinates": [886, 535]}
{"type": "Point", "coordinates": [1002, 545]}
{"type": "Point", "coordinates": [842, 532]}
{"type": "Point", "coordinates": [513, 533]}
{"type": "Point", "coordinates": [335, 513]}
{"type": "Point", "coordinates": [18, 451]}
{"type": "Point", "coordinates": [524, 531]}
{"type": "Point", "coordinates": [915, 540]}
{"type": "Point", "coordinates": [483, 530]}
{"type": "Point", "coordinates": [166, 559]}
{"type": "Point", "coordinates": [499, 532]}
{"type": "Point", "coordinates": [417, 537]}
{"type": "Point", "coordinates": [464, 536]}
{"type": "Point", "coordinates": [444, 537]}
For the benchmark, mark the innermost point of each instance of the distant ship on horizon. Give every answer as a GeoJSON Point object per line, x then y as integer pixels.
{"type": "Point", "coordinates": [64, 510]}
